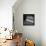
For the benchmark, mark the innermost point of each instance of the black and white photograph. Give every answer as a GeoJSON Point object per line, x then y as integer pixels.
{"type": "Point", "coordinates": [28, 19]}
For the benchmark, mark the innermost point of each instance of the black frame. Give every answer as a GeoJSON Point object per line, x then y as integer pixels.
{"type": "Point", "coordinates": [28, 19]}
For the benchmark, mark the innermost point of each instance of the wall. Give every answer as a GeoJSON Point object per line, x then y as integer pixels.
{"type": "Point", "coordinates": [29, 32]}
{"type": "Point", "coordinates": [43, 22]}
{"type": "Point", "coordinates": [6, 13]}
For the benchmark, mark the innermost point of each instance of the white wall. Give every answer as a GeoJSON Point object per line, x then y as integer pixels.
{"type": "Point", "coordinates": [43, 22]}
{"type": "Point", "coordinates": [31, 32]}
{"type": "Point", "coordinates": [6, 13]}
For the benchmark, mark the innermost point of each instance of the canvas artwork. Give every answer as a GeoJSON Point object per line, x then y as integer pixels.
{"type": "Point", "coordinates": [28, 19]}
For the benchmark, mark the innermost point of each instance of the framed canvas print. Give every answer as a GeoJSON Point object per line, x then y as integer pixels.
{"type": "Point", "coordinates": [28, 19]}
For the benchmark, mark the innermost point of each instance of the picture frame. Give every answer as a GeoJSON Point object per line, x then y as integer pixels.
{"type": "Point", "coordinates": [28, 19]}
